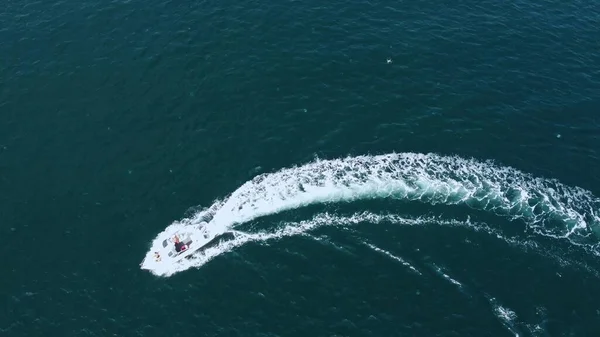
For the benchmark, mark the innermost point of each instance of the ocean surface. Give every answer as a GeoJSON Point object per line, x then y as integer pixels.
{"type": "Point", "coordinates": [373, 168]}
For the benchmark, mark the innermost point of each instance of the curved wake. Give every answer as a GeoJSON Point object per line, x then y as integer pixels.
{"type": "Point", "coordinates": [546, 206]}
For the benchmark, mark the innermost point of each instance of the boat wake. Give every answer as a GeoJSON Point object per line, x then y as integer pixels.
{"type": "Point", "coordinates": [547, 207]}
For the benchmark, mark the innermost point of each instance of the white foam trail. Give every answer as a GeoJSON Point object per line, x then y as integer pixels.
{"type": "Point", "coordinates": [547, 207]}
{"type": "Point", "coordinates": [506, 316]}
{"type": "Point", "coordinates": [441, 272]}
{"type": "Point", "coordinates": [392, 256]}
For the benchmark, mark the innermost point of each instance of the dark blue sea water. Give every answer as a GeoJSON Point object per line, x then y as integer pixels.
{"type": "Point", "coordinates": [370, 168]}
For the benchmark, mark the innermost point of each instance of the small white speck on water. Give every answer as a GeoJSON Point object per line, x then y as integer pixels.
{"type": "Point", "coordinates": [558, 135]}
{"type": "Point", "coordinates": [129, 171]}
{"type": "Point", "coordinates": [389, 60]}
{"type": "Point", "coordinates": [170, 171]}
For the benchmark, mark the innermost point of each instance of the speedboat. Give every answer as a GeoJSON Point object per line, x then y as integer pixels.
{"type": "Point", "coordinates": [177, 246]}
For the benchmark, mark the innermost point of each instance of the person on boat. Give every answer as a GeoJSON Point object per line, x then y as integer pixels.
{"type": "Point", "coordinates": [179, 246]}
{"type": "Point", "coordinates": [157, 256]}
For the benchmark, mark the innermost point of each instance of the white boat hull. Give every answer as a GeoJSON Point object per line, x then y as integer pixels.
{"type": "Point", "coordinates": [195, 237]}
